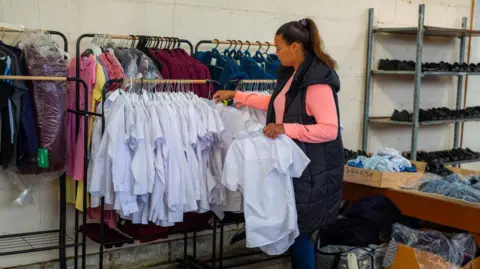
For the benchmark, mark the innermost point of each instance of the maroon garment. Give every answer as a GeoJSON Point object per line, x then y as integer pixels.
{"type": "Point", "coordinates": [176, 71]}
{"type": "Point", "coordinates": [201, 72]}
{"type": "Point", "coordinates": [193, 222]}
{"type": "Point", "coordinates": [111, 237]}
{"type": "Point", "coordinates": [188, 66]}
{"type": "Point", "coordinates": [165, 71]}
{"type": "Point", "coordinates": [144, 233]}
{"type": "Point", "coordinates": [49, 98]}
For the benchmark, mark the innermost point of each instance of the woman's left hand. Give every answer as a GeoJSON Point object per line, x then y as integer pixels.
{"type": "Point", "coordinates": [273, 130]}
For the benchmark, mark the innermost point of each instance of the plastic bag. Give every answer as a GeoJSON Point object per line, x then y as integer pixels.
{"type": "Point", "coordinates": [457, 250]}
{"type": "Point", "coordinates": [43, 58]}
{"type": "Point", "coordinates": [337, 256]}
{"type": "Point", "coordinates": [453, 185]}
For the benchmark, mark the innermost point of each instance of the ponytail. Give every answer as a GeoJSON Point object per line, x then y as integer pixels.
{"type": "Point", "coordinates": [306, 33]}
{"type": "Point", "coordinates": [317, 44]}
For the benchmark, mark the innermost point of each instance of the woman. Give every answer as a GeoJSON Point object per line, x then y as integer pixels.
{"type": "Point", "coordinates": [304, 106]}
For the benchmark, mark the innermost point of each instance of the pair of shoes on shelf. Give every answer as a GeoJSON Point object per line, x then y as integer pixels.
{"type": "Point", "coordinates": [403, 115]}
{"type": "Point", "coordinates": [396, 65]}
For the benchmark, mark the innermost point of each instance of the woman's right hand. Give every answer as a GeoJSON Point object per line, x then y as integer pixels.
{"type": "Point", "coordinates": [221, 95]}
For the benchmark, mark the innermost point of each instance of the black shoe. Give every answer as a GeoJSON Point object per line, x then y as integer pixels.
{"type": "Point", "coordinates": [406, 66]}
{"type": "Point", "coordinates": [455, 68]}
{"type": "Point", "coordinates": [401, 116]}
{"type": "Point", "coordinates": [465, 67]}
{"type": "Point", "coordinates": [387, 65]}
{"type": "Point", "coordinates": [437, 167]}
{"type": "Point", "coordinates": [444, 67]}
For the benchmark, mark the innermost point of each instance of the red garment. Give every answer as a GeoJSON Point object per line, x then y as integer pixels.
{"type": "Point", "coordinates": [165, 71]}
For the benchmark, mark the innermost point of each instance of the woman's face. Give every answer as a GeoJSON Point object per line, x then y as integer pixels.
{"type": "Point", "coordinates": [287, 54]}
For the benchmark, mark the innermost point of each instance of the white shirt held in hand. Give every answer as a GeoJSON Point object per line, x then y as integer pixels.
{"type": "Point", "coordinates": [262, 168]}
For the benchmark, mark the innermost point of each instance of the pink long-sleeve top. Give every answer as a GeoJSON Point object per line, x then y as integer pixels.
{"type": "Point", "coordinates": [320, 104]}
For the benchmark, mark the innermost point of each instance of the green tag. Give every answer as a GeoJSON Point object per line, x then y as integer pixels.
{"type": "Point", "coordinates": [43, 158]}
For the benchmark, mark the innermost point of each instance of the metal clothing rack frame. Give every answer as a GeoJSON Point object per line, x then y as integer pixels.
{"type": "Point", "coordinates": [189, 262]}
{"type": "Point", "coordinates": [78, 112]}
{"type": "Point", "coordinates": [33, 240]}
{"type": "Point", "coordinates": [102, 200]}
{"type": "Point", "coordinates": [420, 31]}
{"type": "Point", "coordinates": [50, 32]}
{"type": "Point", "coordinates": [233, 42]}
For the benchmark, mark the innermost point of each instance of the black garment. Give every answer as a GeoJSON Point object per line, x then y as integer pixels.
{"type": "Point", "coordinates": [7, 145]}
{"type": "Point", "coordinates": [318, 191]}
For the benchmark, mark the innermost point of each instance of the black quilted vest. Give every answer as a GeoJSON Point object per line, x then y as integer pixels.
{"type": "Point", "coordinates": [318, 192]}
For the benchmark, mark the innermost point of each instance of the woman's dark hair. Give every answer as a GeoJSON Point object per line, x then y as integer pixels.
{"type": "Point", "coordinates": [306, 33]}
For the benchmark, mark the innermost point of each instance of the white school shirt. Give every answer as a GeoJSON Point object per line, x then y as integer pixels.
{"type": "Point", "coordinates": [158, 139]}
{"type": "Point", "coordinates": [176, 163]}
{"type": "Point", "coordinates": [125, 200]}
{"type": "Point", "coordinates": [262, 168]}
{"type": "Point", "coordinates": [110, 155]}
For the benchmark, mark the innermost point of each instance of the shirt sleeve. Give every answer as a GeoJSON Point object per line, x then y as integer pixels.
{"type": "Point", "coordinates": [252, 100]}
{"type": "Point", "coordinates": [321, 105]}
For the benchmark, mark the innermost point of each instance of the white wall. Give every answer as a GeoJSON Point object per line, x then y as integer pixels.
{"type": "Point", "coordinates": [342, 24]}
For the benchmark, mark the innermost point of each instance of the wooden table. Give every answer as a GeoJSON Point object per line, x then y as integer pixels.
{"type": "Point", "coordinates": [429, 207]}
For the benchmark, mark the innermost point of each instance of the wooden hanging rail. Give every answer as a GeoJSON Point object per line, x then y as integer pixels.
{"type": "Point", "coordinates": [254, 81]}
{"type": "Point", "coordinates": [234, 43]}
{"type": "Point", "coordinates": [34, 78]}
{"type": "Point", "coordinates": [170, 81]}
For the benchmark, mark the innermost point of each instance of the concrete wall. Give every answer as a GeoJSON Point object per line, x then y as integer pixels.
{"type": "Point", "coordinates": [342, 24]}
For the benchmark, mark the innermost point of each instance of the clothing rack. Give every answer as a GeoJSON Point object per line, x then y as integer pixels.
{"type": "Point", "coordinates": [234, 42]}
{"type": "Point", "coordinates": [32, 241]}
{"type": "Point", "coordinates": [78, 113]}
{"type": "Point", "coordinates": [102, 200]}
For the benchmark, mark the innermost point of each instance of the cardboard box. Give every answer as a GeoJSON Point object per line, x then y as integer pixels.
{"type": "Point", "coordinates": [409, 258]}
{"type": "Point", "coordinates": [379, 179]}
{"type": "Point", "coordinates": [421, 166]}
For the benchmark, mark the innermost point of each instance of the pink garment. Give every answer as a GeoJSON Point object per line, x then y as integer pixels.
{"type": "Point", "coordinates": [88, 69]}
{"type": "Point", "coordinates": [320, 104]}
{"type": "Point", "coordinates": [114, 69]}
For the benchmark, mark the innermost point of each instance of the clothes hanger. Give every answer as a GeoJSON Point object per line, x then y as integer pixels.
{"type": "Point", "coordinates": [268, 48]}
{"type": "Point", "coordinates": [227, 50]}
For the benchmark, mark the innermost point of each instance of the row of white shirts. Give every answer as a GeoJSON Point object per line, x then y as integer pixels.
{"type": "Point", "coordinates": [162, 155]}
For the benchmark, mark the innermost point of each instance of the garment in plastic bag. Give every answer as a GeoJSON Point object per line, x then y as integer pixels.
{"type": "Point", "coordinates": [457, 250]}
{"type": "Point", "coordinates": [44, 59]}
{"type": "Point", "coordinates": [453, 185]}
{"type": "Point", "coordinates": [335, 257]}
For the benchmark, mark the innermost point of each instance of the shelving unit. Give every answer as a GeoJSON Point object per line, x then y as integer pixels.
{"type": "Point", "coordinates": [420, 31]}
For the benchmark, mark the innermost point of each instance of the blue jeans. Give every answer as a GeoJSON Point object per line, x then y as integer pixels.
{"type": "Point", "coordinates": [303, 254]}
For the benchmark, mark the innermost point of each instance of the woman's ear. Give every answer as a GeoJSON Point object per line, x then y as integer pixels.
{"type": "Point", "coordinates": [296, 46]}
